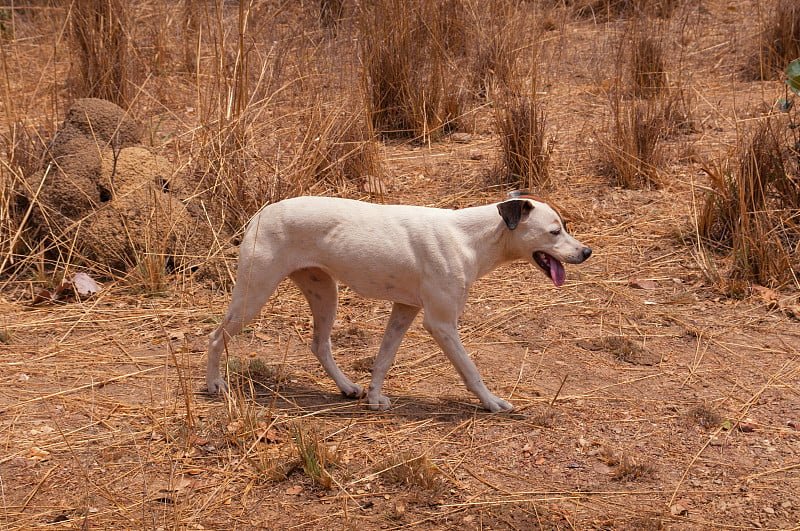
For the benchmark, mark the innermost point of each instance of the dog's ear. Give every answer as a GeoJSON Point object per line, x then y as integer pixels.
{"type": "Point", "coordinates": [513, 211]}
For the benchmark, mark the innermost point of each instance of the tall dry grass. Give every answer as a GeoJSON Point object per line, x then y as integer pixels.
{"type": "Point", "coordinates": [99, 31]}
{"type": "Point", "coordinates": [778, 41]}
{"type": "Point", "coordinates": [641, 106]}
{"type": "Point", "coordinates": [411, 84]}
{"type": "Point", "coordinates": [526, 147]}
{"type": "Point", "coordinates": [753, 210]}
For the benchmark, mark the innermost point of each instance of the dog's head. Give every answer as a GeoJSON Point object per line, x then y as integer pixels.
{"type": "Point", "coordinates": [539, 234]}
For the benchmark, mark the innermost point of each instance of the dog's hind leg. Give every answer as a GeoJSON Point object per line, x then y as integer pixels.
{"type": "Point", "coordinates": [401, 318]}
{"type": "Point", "coordinates": [252, 289]}
{"type": "Point", "coordinates": [320, 290]}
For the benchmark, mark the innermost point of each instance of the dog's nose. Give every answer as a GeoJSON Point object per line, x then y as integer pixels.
{"type": "Point", "coordinates": [587, 252]}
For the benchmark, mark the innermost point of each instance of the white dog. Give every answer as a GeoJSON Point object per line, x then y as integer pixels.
{"type": "Point", "coordinates": [416, 257]}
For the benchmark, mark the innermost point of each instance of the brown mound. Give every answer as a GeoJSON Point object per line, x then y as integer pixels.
{"type": "Point", "coordinates": [133, 167]}
{"type": "Point", "coordinates": [110, 196]}
{"type": "Point", "coordinates": [103, 122]}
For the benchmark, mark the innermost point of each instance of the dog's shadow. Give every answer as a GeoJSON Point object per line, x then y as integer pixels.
{"type": "Point", "coordinates": [298, 398]}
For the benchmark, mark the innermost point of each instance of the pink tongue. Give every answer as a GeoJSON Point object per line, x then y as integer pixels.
{"type": "Point", "coordinates": [557, 272]}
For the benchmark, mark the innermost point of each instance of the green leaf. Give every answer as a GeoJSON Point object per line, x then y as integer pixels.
{"type": "Point", "coordinates": [793, 74]}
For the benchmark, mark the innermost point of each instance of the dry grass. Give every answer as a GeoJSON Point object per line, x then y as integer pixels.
{"type": "Point", "coordinates": [98, 30]}
{"type": "Point", "coordinates": [414, 470]}
{"type": "Point", "coordinates": [779, 40]}
{"type": "Point", "coordinates": [648, 72]}
{"type": "Point", "coordinates": [410, 83]}
{"type": "Point", "coordinates": [102, 408]}
{"type": "Point", "coordinates": [526, 146]}
{"type": "Point", "coordinates": [631, 154]}
{"type": "Point", "coordinates": [752, 209]}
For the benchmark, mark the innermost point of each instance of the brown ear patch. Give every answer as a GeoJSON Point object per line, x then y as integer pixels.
{"type": "Point", "coordinates": [524, 194]}
{"type": "Point", "coordinates": [513, 211]}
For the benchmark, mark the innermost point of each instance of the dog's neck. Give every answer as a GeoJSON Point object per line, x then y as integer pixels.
{"type": "Point", "coordinates": [485, 233]}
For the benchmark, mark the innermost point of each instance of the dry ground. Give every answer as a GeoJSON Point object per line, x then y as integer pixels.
{"type": "Point", "coordinates": [644, 398]}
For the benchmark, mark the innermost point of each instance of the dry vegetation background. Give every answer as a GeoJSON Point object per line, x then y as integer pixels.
{"type": "Point", "coordinates": [659, 388]}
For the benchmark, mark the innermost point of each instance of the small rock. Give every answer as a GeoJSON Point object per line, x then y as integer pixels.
{"type": "Point", "coordinates": [461, 138]}
{"type": "Point", "coordinates": [475, 155]}
{"type": "Point", "coordinates": [678, 510]}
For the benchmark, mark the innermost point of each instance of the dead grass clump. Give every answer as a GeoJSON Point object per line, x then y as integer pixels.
{"type": "Point", "coordinates": [338, 148]}
{"type": "Point", "coordinates": [99, 32]}
{"type": "Point", "coordinates": [623, 348]}
{"type": "Point", "coordinates": [631, 152]}
{"type": "Point", "coordinates": [779, 41]}
{"type": "Point", "coordinates": [409, 468]}
{"type": "Point", "coordinates": [625, 467]}
{"type": "Point", "coordinates": [546, 418]}
{"type": "Point", "coordinates": [495, 48]}
{"type": "Point", "coordinates": [647, 64]}
{"type": "Point", "coordinates": [253, 370]}
{"type": "Point", "coordinates": [238, 122]}
{"type": "Point", "coordinates": [706, 416]}
{"type": "Point", "coordinates": [752, 211]}
{"type": "Point", "coordinates": [630, 469]}
{"type": "Point", "coordinates": [330, 13]}
{"type": "Point", "coordinates": [614, 9]}
{"type": "Point", "coordinates": [251, 430]}
{"type": "Point", "coordinates": [526, 149]}
{"type": "Point", "coordinates": [24, 155]}
{"type": "Point", "coordinates": [411, 87]}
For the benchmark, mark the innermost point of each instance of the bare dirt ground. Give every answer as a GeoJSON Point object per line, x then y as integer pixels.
{"type": "Point", "coordinates": [644, 398]}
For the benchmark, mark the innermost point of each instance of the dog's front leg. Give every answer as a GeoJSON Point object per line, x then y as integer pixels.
{"type": "Point", "coordinates": [445, 332]}
{"type": "Point", "coordinates": [401, 318]}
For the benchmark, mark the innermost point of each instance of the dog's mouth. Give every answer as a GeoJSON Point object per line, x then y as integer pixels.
{"type": "Point", "coordinates": [551, 266]}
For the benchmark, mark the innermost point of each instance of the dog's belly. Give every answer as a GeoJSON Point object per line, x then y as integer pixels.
{"type": "Point", "coordinates": [383, 286]}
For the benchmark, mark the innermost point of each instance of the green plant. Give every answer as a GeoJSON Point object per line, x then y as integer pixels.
{"type": "Point", "coordinates": [315, 457]}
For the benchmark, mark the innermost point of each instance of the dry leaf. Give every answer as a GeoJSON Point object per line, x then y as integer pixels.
{"type": "Point", "coordinates": [37, 454]}
{"type": "Point", "coordinates": [85, 285]}
{"type": "Point", "coordinates": [767, 296]}
{"type": "Point", "coordinates": [81, 284]}
{"type": "Point", "coordinates": [643, 284]}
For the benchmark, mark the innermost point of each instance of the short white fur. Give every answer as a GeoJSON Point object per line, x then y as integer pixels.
{"type": "Point", "coordinates": [416, 257]}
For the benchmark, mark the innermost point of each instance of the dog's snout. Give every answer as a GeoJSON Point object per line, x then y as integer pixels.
{"type": "Point", "coordinates": [587, 252]}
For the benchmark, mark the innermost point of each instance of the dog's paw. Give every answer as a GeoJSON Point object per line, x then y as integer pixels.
{"type": "Point", "coordinates": [378, 402]}
{"type": "Point", "coordinates": [216, 385]}
{"type": "Point", "coordinates": [496, 404]}
{"type": "Point", "coordinates": [352, 390]}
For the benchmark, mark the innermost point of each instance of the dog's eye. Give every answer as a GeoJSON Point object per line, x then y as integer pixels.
{"type": "Point", "coordinates": [556, 232]}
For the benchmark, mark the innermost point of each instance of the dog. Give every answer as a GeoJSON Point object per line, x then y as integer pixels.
{"type": "Point", "coordinates": [417, 257]}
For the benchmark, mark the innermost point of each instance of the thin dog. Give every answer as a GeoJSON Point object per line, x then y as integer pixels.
{"type": "Point", "coordinates": [416, 257]}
